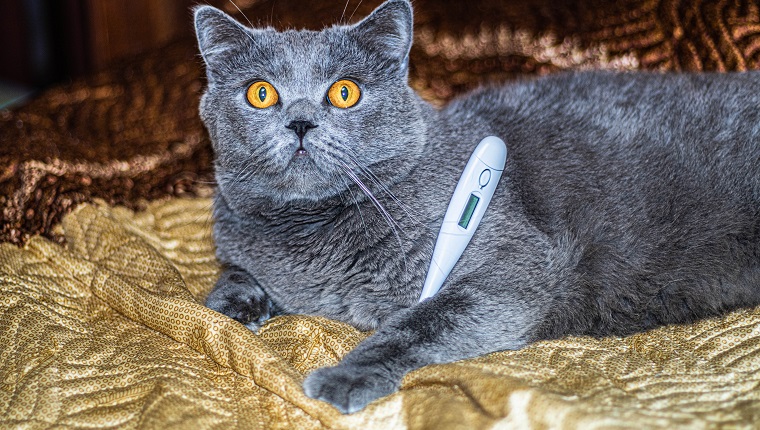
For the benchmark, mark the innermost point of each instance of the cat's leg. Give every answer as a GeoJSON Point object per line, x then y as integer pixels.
{"type": "Point", "coordinates": [463, 320]}
{"type": "Point", "coordinates": [238, 295]}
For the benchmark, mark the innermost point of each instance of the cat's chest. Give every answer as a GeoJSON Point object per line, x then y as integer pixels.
{"type": "Point", "coordinates": [301, 270]}
{"type": "Point", "coordinates": [288, 263]}
{"type": "Point", "coordinates": [337, 272]}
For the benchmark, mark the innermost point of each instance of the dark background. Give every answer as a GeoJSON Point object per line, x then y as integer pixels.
{"type": "Point", "coordinates": [118, 120]}
{"type": "Point", "coordinates": [49, 41]}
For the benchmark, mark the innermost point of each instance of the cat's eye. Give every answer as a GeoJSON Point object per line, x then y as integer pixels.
{"type": "Point", "coordinates": [261, 94]}
{"type": "Point", "coordinates": [344, 94]}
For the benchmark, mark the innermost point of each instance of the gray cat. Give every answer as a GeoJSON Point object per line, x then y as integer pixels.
{"type": "Point", "coordinates": [629, 200]}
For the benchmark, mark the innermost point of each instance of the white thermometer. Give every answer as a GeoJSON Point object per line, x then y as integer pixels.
{"type": "Point", "coordinates": [466, 209]}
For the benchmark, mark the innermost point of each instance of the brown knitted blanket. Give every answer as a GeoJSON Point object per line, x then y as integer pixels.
{"type": "Point", "coordinates": [108, 330]}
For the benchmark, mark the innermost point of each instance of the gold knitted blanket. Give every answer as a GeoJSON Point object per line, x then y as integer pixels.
{"type": "Point", "coordinates": [108, 331]}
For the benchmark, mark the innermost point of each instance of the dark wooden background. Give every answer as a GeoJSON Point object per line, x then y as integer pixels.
{"type": "Point", "coordinates": [46, 41]}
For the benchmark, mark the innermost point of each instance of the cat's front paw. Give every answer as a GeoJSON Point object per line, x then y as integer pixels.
{"type": "Point", "coordinates": [241, 298]}
{"type": "Point", "coordinates": [348, 388]}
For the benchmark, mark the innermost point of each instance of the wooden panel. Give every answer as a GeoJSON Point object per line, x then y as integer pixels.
{"type": "Point", "coordinates": [75, 37]}
{"type": "Point", "coordinates": [121, 28]}
{"type": "Point", "coordinates": [14, 50]}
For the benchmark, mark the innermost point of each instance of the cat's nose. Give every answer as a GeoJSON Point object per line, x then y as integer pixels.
{"type": "Point", "coordinates": [301, 127]}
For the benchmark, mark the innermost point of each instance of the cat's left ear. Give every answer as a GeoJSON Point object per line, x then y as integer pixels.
{"type": "Point", "coordinates": [388, 30]}
{"type": "Point", "coordinates": [218, 33]}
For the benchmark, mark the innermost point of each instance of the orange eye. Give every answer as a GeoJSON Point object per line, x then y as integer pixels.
{"type": "Point", "coordinates": [261, 94]}
{"type": "Point", "coordinates": [344, 94]}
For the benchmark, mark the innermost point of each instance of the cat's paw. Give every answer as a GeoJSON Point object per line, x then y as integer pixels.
{"type": "Point", "coordinates": [348, 388]}
{"type": "Point", "coordinates": [241, 298]}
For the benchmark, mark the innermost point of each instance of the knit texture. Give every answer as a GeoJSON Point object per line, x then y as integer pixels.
{"type": "Point", "coordinates": [109, 331]}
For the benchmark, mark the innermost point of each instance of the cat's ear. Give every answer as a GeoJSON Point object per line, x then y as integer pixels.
{"type": "Point", "coordinates": [218, 33]}
{"type": "Point", "coordinates": [388, 30]}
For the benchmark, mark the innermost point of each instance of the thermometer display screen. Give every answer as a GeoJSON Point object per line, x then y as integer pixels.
{"type": "Point", "coordinates": [472, 203]}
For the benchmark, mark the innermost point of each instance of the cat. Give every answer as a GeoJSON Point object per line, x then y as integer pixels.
{"type": "Point", "coordinates": [629, 200]}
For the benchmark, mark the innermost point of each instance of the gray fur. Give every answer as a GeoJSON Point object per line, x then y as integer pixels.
{"type": "Point", "coordinates": [629, 201]}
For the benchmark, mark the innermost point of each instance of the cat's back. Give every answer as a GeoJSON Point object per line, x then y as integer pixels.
{"type": "Point", "coordinates": [648, 180]}
{"type": "Point", "coordinates": [680, 110]}
{"type": "Point", "coordinates": [593, 130]}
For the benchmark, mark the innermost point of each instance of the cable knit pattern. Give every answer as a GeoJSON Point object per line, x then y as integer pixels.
{"type": "Point", "coordinates": [109, 332]}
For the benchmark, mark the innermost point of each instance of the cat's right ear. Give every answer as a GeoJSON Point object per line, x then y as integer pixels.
{"type": "Point", "coordinates": [388, 30]}
{"type": "Point", "coordinates": [217, 33]}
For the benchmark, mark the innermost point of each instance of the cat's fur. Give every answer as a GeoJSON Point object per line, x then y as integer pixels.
{"type": "Point", "coordinates": [629, 200]}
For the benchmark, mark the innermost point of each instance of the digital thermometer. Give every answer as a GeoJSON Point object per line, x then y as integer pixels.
{"type": "Point", "coordinates": [468, 204]}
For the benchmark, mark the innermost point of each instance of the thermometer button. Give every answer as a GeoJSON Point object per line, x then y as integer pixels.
{"type": "Point", "coordinates": [485, 178]}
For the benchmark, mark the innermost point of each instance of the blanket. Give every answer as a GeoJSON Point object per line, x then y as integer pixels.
{"type": "Point", "coordinates": [106, 255]}
{"type": "Point", "coordinates": [109, 332]}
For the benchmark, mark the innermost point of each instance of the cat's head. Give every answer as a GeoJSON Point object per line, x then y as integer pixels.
{"type": "Point", "coordinates": [289, 112]}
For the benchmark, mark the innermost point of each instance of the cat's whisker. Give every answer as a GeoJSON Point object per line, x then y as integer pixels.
{"type": "Point", "coordinates": [236, 179]}
{"type": "Point", "coordinates": [388, 218]}
{"type": "Point", "coordinates": [410, 212]}
{"type": "Point", "coordinates": [355, 9]}
{"type": "Point", "coordinates": [369, 194]}
{"type": "Point", "coordinates": [343, 15]}
{"type": "Point", "coordinates": [353, 157]}
{"type": "Point", "coordinates": [260, 152]}
{"type": "Point", "coordinates": [245, 173]}
{"type": "Point", "coordinates": [240, 176]}
{"type": "Point", "coordinates": [244, 16]}
{"type": "Point", "coordinates": [207, 220]}
{"type": "Point", "coordinates": [358, 208]}
{"type": "Point", "coordinates": [198, 181]}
